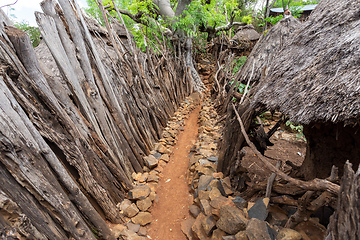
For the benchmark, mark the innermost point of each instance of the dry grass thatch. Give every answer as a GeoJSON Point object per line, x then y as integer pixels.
{"type": "Point", "coordinates": [267, 48]}
{"type": "Point", "coordinates": [315, 77]}
{"type": "Point", "coordinates": [246, 33]}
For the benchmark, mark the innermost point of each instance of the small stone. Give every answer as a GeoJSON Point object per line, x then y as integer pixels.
{"type": "Point", "coordinates": [142, 218]}
{"type": "Point", "coordinates": [221, 201]}
{"type": "Point", "coordinates": [197, 228]}
{"type": "Point", "coordinates": [257, 229]}
{"type": "Point", "coordinates": [225, 187]}
{"type": "Point", "coordinates": [130, 235]}
{"type": "Point", "coordinates": [208, 224]}
{"type": "Point", "coordinates": [240, 202]}
{"type": "Point", "coordinates": [162, 163]}
{"type": "Point", "coordinates": [165, 158]}
{"type": "Point", "coordinates": [152, 196]}
{"type": "Point", "coordinates": [232, 220]}
{"type": "Point", "coordinates": [206, 169]}
{"type": "Point", "coordinates": [157, 155]}
{"type": "Point", "coordinates": [203, 195]}
{"type": "Point", "coordinates": [232, 237]}
{"type": "Point", "coordinates": [277, 216]}
{"type": "Point", "coordinates": [313, 230]}
{"type": "Point", "coordinates": [139, 192]}
{"type": "Point", "coordinates": [142, 231]}
{"type": "Point", "coordinates": [288, 234]}
{"type": "Point", "coordinates": [146, 169]}
{"type": "Point", "coordinates": [153, 178]}
{"type": "Point", "coordinates": [214, 193]}
{"type": "Point", "coordinates": [117, 229]}
{"type": "Point", "coordinates": [131, 211]}
{"type": "Point", "coordinates": [194, 210]}
{"type": "Point", "coordinates": [259, 210]}
{"type": "Point", "coordinates": [204, 161]}
{"type": "Point", "coordinates": [144, 204]}
{"type": "Point", "coordinates": [186, 228]}
{"type": "Point", "coordinates": [204, 181]}
{"type": "Point", "coordinates": [218, 175]}
{"type": "Point", "coordinates": [241, 236]}
{"type": "Point", "coordinates": [160, 148]}
{"type": "Point", "coordinates": [212, 159]}
{"type": "Point", "coordinates": [205, 207]}
{"type": "Point", "coordinates": [136, 176]}
{"type": "Point", "coordinates": [133, 227]}
{"type": "Point", "coordinates": [143, 177]}
{"type": "Point", "coordinates": [125, 204]}
{"type": "Point", "coordinates": [218, 234]}
{"type": "Point", "coordinates": [151, 161]}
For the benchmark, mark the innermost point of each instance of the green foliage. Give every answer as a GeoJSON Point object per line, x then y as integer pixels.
{"type": "Point", "coordinates": [201, 14]}
{"type": "Point", "coordinates": [238, 63]}
{"type": "Point", "coordinates": [273, 20]}
{"type": "Point", "coordinates": [247, 19]}
{"type": "Point", "coordinates": [296, 128]}
{"type": "Point", "coordinates": [33, 32]}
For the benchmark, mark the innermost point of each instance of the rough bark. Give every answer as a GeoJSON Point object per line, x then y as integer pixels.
{"type": "Point", "coordinates": [77, 115]}
{"type": "Point", "coordinates": [345, 222]}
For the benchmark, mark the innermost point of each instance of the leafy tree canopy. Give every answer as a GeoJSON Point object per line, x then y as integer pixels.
{"type": "Point", "coordinates": [33, 32]}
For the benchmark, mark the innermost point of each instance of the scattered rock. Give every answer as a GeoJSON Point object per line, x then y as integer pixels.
{"type": "Point", "coordinates": [239, 202]}
{"type": "Point", "coordinates": [218, 175]}
{"type": "Point", "coordinates": [144, 204]}
{"type": "Point", "coordinates": [143, 177]}
{"type": "Point", "coordinates": [139, 192]}
{"type": "Point", "coordinates": [257, 229]}
{"type": "Point", "coordinates": [117, 229]}
{"type": "Point", "coordinates": [232, 220]}
{"type": "Point", "coordinates": [204, 181]}
{"type": "Point", "coordinates": [208, 224]}
{"type": "Point", "coordinates": [130, 235]}
{"type": "Point", "coordinates": [153, 178]}
{"type": "Point", "coordinates": [218, 234]}
{"type": "Point", "coordinates": [203, 195]}
{"type": "Point", "coordinates": [314, 230]}
{"type": "Point", "coordinates": [205, 207]}
{"type": "Point", "coordinates": [221, 201]}
{"type": "Point", "coordinates": [259, 210]}
{"type": "Point", "coordinates": [160, 148]}
{"type": "Point", "coordinates": [288, 234]}
{"type": "Point", "coordinates": [212, 159]}
{"type": "Point", "coordinates": [277, 216]}
{"type": "Point", "coordinates": [232, 237]}
{"type": "Point", "coordinates": [165, 158]}
{"type": "Point", "coordinates": [133, 227]}
{"type": "Point", "coordinates": [197, 228]}
{"type": "Point", "coordinates": [157, 155]}
{"type": "Point", "coordinates": [214, 193]}
{"type": "Point", "coordinates": [186, 228]}
{"type": "Point", "coordinates": [151, 161]}
{"type": "Point", "coordinates": [142, 231]}
{"type": "Point", "coordinates": [152, 196]}
{"type": "Point", "coordinates": [241, 236]}
{"type": "Point", "coordinates": [142, 218]}
{"type": "Point", "coordinates": [124, 204]}
{"type": "Point", "coordinates": [224, 186]}
{"type": "Point", "coordinates": [131, 211]}
{"type": "Point", "coordinates": [194, 210]}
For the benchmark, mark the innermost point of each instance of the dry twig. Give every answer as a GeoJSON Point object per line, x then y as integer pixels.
{"type": "Point", "coordinates": [313, 185]}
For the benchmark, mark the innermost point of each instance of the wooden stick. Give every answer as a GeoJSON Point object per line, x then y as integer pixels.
{"type": "Point", "coordinates": [271, 181]}
{"type": "Point", "coordinates": [313, 185]}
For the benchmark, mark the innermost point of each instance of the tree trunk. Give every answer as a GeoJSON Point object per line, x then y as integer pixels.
{"type": "Point", "coordinates": [345, 222]}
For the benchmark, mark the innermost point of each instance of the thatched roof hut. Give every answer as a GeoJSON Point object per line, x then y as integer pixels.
{"type": "Point", "coordinates": [267, 48]}
{"type": "Point", "coordinates": [314, 79]}
{"type": "Point", "coordinates": [246, 33]}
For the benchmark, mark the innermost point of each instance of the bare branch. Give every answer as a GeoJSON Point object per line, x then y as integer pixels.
{"type": "Point", "coordinates": [228, 26]}
{"type": "Point", "coordinates": [10, 4]}
{"type": "Point", "coordinates": [313, 185]}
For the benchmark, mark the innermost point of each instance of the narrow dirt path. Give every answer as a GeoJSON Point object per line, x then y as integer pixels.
{"type": "Point", "coordinates": [174, 196]}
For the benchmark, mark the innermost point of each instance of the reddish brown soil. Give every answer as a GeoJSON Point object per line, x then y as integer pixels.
{"type": "Point", "coordinates": [174, 197]}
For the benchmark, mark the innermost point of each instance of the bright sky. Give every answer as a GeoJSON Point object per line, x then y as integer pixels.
{"type": "Point", "coordinates": [24, 9]}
